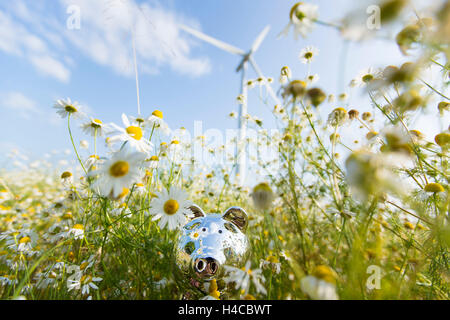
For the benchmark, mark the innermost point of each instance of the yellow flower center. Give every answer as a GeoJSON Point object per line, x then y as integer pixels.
{"type": "Point", "coordinates": [78, 226]}
{"type": "Point", "coordinates": [158, 114]}
{"type": "Point", "coordinates": [25, 240]}
{"type": "Point", "coordinates": [442, 139]}
{"type": "Point", "coordinates": [135, 132]}
{"type": "Point", "coordinates": [324, 273]}
{"type": "Point", "coordinates": [294, 10]}
{"type": "Point", "coordinates": [96, 123]}
{"type": "Point", "coordinates": [68, 215]}
{"type": "Point", "coordinates": [249, 271]}
{"type": "Point", "coordinates": [119, 169]}
{"type": "Point", "coordinates": [434, 187]}
{"type": "Point", "coordinates": [71, 109]}
{"type": "Point", "coordinates": [86, 279]}
{"type": "Point", "coordinates": [83, 265]}
{"type": "Point", "coordinates": [66, 175]}
{"type": "Point", "coordinates": [171, 207]}
{"type": "Point", "coordinates": [264, 186]}
{"type": "Point", "coordinates": [367, 78]}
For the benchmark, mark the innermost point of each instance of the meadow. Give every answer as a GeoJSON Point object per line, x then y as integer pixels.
{"type": "Point", "coordinates": [362, 216]}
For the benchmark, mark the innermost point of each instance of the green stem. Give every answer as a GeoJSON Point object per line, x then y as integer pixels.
{"type": "Point", "coordinates": [73, 144]}
{"type": "Point", "coordinates": [439, 93]}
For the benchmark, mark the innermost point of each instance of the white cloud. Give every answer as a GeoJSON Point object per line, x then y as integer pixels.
{"type": "Point", "coordinates": [37, 31]}
{"type": "Point", "coordinates": [105, 36]}
{"type": "Point", "coordinates": [19, 103]}
{"type": "Point", "coordinates": [50, 66]}
{"type": "Point", "coordinates": [17, 40]}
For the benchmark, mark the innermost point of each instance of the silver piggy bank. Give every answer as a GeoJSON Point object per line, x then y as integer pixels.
{"type": "Point", "coordinates": [205, 245]}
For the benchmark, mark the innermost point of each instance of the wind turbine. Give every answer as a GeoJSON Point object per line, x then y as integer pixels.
{"type": "Point", "coordinates": [246, 57]}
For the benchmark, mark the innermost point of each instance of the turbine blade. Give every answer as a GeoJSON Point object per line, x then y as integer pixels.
{"type": "Point", "coordinates": [241, 64]}
{"type": "Point", "coordinates": [217, 43]}
{"type": "Point", "coordinates": [260, 74]}
{"type": "Point", "coordinates": [260, 39]}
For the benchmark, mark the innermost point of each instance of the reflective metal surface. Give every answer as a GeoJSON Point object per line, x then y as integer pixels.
{"type": "Point", "coordinates": [206, 244]}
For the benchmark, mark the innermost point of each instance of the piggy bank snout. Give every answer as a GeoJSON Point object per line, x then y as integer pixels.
{"type": "Point", "coordinates": [206, 267]}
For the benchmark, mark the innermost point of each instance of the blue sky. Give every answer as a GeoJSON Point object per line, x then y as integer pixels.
{"type": "Point", "coordinates": [41, 61]}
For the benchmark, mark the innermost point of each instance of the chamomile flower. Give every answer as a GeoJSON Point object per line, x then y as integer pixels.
{"type": "Point", "coordinates": [67, 178]}
{"type": "Point", "coordinates": [171, 208]}
{"type": "Point", "coordinates": [132, 134]}
{"type": "Point", "coordinates": [152, 162]}
{"type": "Point", "coordinates": [117, 173]}
{"type": "Point", "coordinates": [241, 99]}
{"type": "Point", "coordinates": [302, 18]}
{"type": "Point", "coordinates": [320, 285]}
{"type": "Point", "coordinates": [244, 277]}
{"type": "Point", "coordinates": [338, 117]}
{"type": "Point", "coordinates": [272, 263]}
{"type": "Point", "coordinates": [365, 77]}
{"type": "Point", "coordinates": [92, 161]}
{"type": "Point", "coordinates": [77, 231]}
{"type": "Point", "coordinates": [25, 244]}
{"type": "Point", "coordinates": [312, 78]}
{"type": "Point", "coordinates": [308, 54]}
{"type": "Point", "coordinates": [156, 120]}
{"type": "Point", "coordinates": [94, 127]}
{"type": "Point", "coordinates": [68, 107]}
{"type": "Point", "coordinates": [233, 115]}
{"type": "Point", "coordinates": [262, 196]}
{"type": "Point", "coordinates": [140, 188]}
{"type": "Point", "coordinates": [85, 283]}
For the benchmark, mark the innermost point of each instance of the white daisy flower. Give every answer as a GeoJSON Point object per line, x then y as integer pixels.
{"type": "Point", "coordinates": [25, 244]}
{"type": "Point", "coordinates": [172, 208]}
{"type": "Point", "coordinates": [77, 231]}
{"type": "Point", "coordinates": [313, 78]}
{"type": "Point", "coordinates": [85, 283]}
{"type": "Point", "coordinates": [67, 178]}
{"type": "Point", "coordinates": [272, 263]}
{"type": "Point", "coordinates": [131, 134]}
{"type": "Point", "coordinates": [121, 210]}
{"type": "Point", "coordinates": [152, 162]}
{"type": "Point", "coordinates": [318, 289]}
{"type": "Point", "coordinates": [302, 17]}
{"type": "Point", "coordinates": [307, 54]}
{"type": "Point", "coordinates": [92, 161]}
{"type": "Point", "coordinates": [365, 77]}
{"type": "Point", "coordinates": [140, 188]}
{"type": "Point", "coordinates": [156, 121]}
{"type": "Point", "coordinates": [66, 107]}
{"type": "Point", "coordinates": [94, 127]}
{"type": "Point", "coordinates": [241, 278]}
{"type": "Point", "coordinates": [118, 173]}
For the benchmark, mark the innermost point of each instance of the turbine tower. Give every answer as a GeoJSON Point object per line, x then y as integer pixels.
{"type": "Point", "coordinates": [246, 57]}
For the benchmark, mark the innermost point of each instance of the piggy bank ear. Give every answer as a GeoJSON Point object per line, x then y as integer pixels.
{"type": "Point", "coordinates": [238, 217]}
{"type": "Point", "coordinates": [197, 211]}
